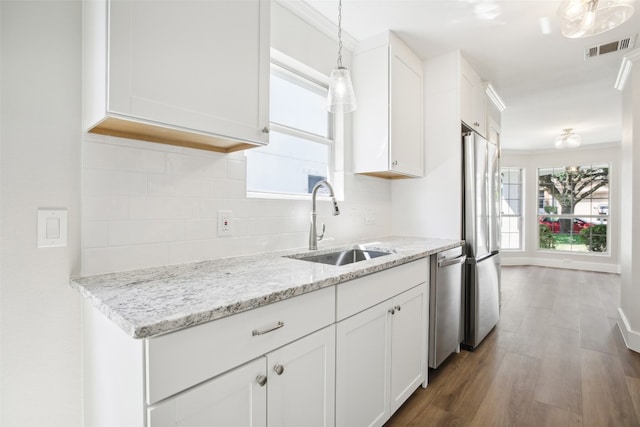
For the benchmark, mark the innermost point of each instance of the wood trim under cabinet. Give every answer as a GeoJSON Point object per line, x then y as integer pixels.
{"type": "Point", "coordinates": [123, 128]}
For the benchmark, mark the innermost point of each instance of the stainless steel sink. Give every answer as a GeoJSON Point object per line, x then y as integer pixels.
{"type": "Point", "coordinates": [342, 257]}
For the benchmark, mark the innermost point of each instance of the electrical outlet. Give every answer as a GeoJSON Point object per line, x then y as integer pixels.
{"type": "Point", "coordinates": [225, 223]}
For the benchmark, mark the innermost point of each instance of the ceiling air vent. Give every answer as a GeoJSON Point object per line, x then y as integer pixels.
{"type": "Point", "coordinates": [623, 44]}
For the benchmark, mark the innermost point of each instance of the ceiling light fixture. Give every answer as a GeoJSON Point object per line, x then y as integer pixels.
{"type": "Point", "coordinates": [341, 98]}
{"type": "Point", "coordinates": [583, 18]}
{"type": "Point", "coordinates": [568, 139]}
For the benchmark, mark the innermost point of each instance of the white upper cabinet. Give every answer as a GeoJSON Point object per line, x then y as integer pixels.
{"type": "Point", "coordinates": [192, 73]}
{"type": "Point", "coordinates": [387, 125]}
{"type": "Point", "coordinates": [473, 100]}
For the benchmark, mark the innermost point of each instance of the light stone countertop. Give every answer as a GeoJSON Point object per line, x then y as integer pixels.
{"type": "Point", "coordinates": [159, 300]}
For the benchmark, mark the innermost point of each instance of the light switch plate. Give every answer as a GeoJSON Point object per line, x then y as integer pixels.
{"type": "Point", "coordinates": [52, 228]}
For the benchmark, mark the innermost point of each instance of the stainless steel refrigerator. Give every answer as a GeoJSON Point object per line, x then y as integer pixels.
{"type": "Point", "coordinates": [481, 232]}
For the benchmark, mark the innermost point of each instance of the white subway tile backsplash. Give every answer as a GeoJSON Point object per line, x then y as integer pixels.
{"type": "Point", "coordinates": [181, 252]}
{"type": "Point", "coordinates": [123, 258]}
{"type": "Point", "coordinates": [163, 208]}
{"type": "Point", "coordinates": [95, 234]}
{"type": "Point", "coordinates": [105, 207]}
{"type": "Point", "coordinates": [230, 189]}
{"type": "Point", "coordinates": [203, 229]}
{"type": "Point", "coordinates": [212, 165]}
{"type": "Point", "coordinates": [180, 186]}
{"type": "Point", "coordinates": [241, 208]}
{"type": "Point", "coordinates": [136, 232]}
{"type": "Point", "coordinates": [106, 182]}
{"type": "Point", "coordinates": [273, 208]}
{"type": "Point", "coordinates": [119, 158]}
{"type": "Point", "coordinates": [236, 169]}
{"type": "Point", "coordinates": [149, 204]}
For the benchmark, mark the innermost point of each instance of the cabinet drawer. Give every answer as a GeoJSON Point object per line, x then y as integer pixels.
{"type": "Point", "coordinates": [364, 292]}
{"type": "Point", "coordinates": [185, 358]}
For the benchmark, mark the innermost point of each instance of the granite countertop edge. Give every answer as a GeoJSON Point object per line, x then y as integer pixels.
{"type": "Point", "coordinates": [158, 300]}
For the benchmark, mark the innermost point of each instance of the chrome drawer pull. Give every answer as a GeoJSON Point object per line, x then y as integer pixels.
{"type": "Point", "coordinates": [268, 329]}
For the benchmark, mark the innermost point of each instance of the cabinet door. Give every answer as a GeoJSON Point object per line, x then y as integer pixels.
{"type": "Point", "coordinates": [406, 142]}
{"type": "Point", "coordinates": [232, 399]}
{"type": "Point", "coordinates": [408, 344]}
{"type": "Point", "coordinates": [472, 99]}
{"type": "Point", "coordinates": [362, 368]}
{"type": "Point", "coordinates": [199, 65]}
{"type": "Point", "coordinates": [302, 382]}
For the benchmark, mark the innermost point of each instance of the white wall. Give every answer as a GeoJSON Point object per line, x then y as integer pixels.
{"type": "Point", "coordinates": [629, 311]}
{"type": "Point", "coordinates": [40, 137]}
{"type": "Point", "coordinates": [530, 162]}
{"type": "Point", "coordinates": [148, 204]}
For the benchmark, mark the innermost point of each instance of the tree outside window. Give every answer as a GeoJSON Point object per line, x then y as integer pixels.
{"type": "Point", "coordinates": [573, 208]}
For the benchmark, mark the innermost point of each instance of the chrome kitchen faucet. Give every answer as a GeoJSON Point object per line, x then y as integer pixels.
{"type": "Point", "coordinates": [313, 233]}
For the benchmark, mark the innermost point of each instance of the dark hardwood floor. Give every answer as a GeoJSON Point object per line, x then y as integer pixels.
{"type": "Point", "coordinates": [556, 358]}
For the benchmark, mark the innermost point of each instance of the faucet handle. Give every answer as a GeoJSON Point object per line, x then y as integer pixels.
{"type": "Point", "coordinates": [321, 235]}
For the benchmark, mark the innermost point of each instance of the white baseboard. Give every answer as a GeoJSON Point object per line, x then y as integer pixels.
{"type": "Point", "coordinates": [562, 263]}
{"type": "Point", "coordinates": [631, 337]}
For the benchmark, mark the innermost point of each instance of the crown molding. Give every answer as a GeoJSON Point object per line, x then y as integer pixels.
{"type": "Point", "coordinates": [494, 97]}
{"type": "Point", "coordinates": [320, 22]}
{"type": "Point", "coordinates": [625, 68]}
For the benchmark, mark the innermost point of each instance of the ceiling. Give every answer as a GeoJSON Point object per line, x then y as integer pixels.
{"type": "Point", "coordinates": [516, 45]}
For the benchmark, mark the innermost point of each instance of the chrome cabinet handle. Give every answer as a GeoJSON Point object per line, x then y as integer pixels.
{"type": "Point", "coordinates": [267, 329]}
{"type": "Point", "coordinates": [264, 130]}
{"type": "Point", "coordinates": [392, 310]}
{"type": "Point", "coordinates": [398, 308]}
{"type": "Point", "coordinates": [395, 163]}
{"type": "Point", "coordinates": [279, 369]}
{"type": "Point", "coordinates": [261, 380]}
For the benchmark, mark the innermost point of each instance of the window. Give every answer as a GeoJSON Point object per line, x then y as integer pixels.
{"type": "Point", "coordinates": [511, 208]}
{"type": "Point", "coordinates": [300, 140]}
{"type": "Point", "coordinates": [573, 208]}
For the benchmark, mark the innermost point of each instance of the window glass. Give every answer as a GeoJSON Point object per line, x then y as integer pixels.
{"type": "Point", "coordinates": [298, 103]}
{"type": "Point", "coordinates": [511, 208]}
{"type": "Point", "coordinates": [573, 208]}
{"type": "Point", "coordinates": [287, 165]}
{"type": "Point", "coordinates": [300, 146]}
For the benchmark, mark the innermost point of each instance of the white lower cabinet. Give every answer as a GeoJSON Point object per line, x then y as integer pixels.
{"type": "Point", "coordinates": [301, 385]}
{"type": "Point", "coordinates": [408, 334]}
{"type": "Point", "coordinates": [380, 358]}
{"type": "Point", "coordinates": [362, 364]}
{"type": "Point", "coordinates": [232, 399]}
{"type": "Point", "coordinates": [346, 355]}
{"type": "Point", "coordinates": [291, 386]}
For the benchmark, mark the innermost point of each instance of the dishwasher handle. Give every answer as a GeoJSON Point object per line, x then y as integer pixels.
{"type": "Point", "coordinates": [451, 261]}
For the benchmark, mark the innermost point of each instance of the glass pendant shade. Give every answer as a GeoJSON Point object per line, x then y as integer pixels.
{"type": "Point", "coordinates": [583, 18]}
{"type": "Point", "coordinates": [568, 139]}
{"type": "Point", "coordinates": [341, 98]}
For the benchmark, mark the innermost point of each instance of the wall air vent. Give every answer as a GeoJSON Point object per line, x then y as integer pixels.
{"type": "Point", "coordinates": [614, 46]}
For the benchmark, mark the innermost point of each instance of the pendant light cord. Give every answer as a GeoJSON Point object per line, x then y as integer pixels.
{"type": "Point", "coordinates": [340, 34]}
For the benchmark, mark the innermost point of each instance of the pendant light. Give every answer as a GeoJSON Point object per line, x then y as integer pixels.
{"type": "Point", "coordinates": [341, 98]}
{"type": "Point", "coordinates": [583, 18]}
{"type": "Point", "coordinates": [568, 139]}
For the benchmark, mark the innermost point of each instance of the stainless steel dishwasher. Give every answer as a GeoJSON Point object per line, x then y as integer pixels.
{"type": "Point", "coordinates": [445, 305]}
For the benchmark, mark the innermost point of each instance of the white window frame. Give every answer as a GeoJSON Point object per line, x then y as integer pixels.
{"type": "Point", "coordinates": [521, 216]}
{"type": "Point", "coordinates": [606, 217]}
{"type": "Point", "coordinates": [291, 68]}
